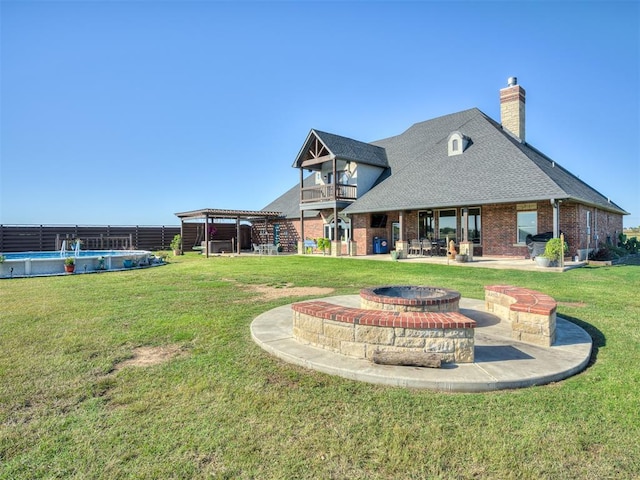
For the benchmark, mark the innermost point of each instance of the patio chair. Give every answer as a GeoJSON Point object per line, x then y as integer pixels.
{"type": "Point", "coordinates": [426, 247]}
{"type": "Point", "coordinates": [415, 248]}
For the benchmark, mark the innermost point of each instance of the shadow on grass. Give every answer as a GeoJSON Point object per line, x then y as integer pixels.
{"type": "Point", "coordinates": [599, 340]}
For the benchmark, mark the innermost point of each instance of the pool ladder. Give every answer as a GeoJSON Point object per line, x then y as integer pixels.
{"type": "Point", "coordinates": [76, 249]}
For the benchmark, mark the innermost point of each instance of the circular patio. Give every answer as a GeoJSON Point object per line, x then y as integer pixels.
{"type": "Point", "coordinates": [500, 361]}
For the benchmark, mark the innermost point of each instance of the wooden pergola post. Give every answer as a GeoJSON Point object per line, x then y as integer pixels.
{"type": "Point", "coordinates": [238, 235]}
{"type": "Point", "coordinates": [206, 235]}
{"type": "Point", "coordinates": [301, 248]}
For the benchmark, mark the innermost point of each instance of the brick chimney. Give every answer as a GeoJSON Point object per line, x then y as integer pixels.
{"type": "Point", "coordinates": [512, 108]}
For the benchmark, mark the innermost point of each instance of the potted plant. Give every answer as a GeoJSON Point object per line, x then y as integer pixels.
{"type": "Point", "coordinates": [69, 264]}
{"type": "Point", "coordinates": [543, 261]}
{"type": "Point", "coordinates": [462, 258]}
{"type": "Point", "coordinates": [553, 252]}
{"type": "Point", "coordinates": [176, 244]}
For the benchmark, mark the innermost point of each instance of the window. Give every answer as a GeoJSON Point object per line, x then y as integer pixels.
{"type": "Point", "coordinates": [344, 230]}
{"type": "Point", "coordinates": [527, 225]}
{"type": "Point", "coordinates": [456, 143]}
{"type": "Point", "coordinates": [395, 233]}
{"type": "Point", "coordinates": [475, 225]}
{"type": "Point", "coordinates": [425, 224]}
{"type": "Point", "coordinates": [447, 224]}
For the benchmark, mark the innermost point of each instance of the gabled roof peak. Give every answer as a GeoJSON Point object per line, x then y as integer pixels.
{"type": "Point", "coordinates": [319, 145]}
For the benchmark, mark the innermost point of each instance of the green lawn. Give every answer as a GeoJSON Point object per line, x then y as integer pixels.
{"type": "Point", "coordinates": [223, 408]}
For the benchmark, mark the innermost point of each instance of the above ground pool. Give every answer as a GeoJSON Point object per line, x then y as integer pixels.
{"type": "Point", "coordinates": [28, 264]}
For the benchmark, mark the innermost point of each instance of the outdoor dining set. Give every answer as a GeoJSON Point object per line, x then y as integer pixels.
{"type": "Point", "coordinates": [427, 247]}
{"type": "Point", "coordinates": [265, 249]}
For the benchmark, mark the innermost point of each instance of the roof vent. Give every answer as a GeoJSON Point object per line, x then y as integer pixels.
{"type": "Point", "coordinates": [512, 81]}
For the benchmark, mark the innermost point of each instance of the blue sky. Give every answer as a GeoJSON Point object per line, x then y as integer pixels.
{"type": "Point", "coordinates": [123, 113]}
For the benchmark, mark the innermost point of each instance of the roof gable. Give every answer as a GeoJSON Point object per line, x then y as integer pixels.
{"type": "Point", "coordinates": [320, 147]}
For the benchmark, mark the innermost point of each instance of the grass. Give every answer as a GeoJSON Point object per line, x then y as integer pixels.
{"type": "Point", "coordinates": [224, 408]}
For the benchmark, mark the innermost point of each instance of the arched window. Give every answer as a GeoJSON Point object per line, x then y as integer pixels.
{"type": "Point", "coordinates": [456, 143]}
{"type": "Point", "coordinates": [344, 229]}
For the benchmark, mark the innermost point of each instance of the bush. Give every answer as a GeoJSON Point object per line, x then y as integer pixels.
{"type": "Point", "coordinates": [630, 244]}
{"type": "Point", "coordinates": [607, 252]}
{"type": "Point", "coordinates": [176, 243]}
{"type": "Point", "coordinates": [554, 249]}
{"type": "Point", "coordinates": [323, 244]}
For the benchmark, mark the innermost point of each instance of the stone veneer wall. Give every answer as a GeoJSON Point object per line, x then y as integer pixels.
{"type": "Point", "coordinates": [358, 333]}
{"type": "Point", "coordinates": [532, 314]}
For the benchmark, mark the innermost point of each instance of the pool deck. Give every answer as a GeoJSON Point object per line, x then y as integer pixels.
{"type": "Point", "coordinates": [500, 362]}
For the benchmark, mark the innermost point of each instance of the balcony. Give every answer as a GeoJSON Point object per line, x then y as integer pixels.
{"type": "Point", "coordinates": [328, 193]}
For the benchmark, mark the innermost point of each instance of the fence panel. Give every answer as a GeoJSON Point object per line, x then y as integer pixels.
{"type": "Point", "coordinates": [38, 238]}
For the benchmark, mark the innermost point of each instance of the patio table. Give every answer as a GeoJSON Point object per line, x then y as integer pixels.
{"type": "Point", "coordinates": [267, 249]}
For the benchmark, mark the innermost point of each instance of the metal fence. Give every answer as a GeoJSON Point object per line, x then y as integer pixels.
{"type": "Point", "coordinates": [39, 238]}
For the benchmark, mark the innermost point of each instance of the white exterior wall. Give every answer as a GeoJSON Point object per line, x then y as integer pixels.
{"type": "Point", "coordinates": [365, 176]}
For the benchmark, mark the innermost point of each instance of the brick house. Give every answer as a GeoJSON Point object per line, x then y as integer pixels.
{"type": "Point", "coordinates": [463, 177]}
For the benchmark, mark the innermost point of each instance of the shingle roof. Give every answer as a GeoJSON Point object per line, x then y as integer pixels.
{"type": "Point", "coordinates": [494, 168]}
{"type": "Point", "coordinates": [346, 149]}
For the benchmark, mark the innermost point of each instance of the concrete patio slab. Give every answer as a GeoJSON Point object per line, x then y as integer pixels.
{"type": "Point", "coordinates": [500, 362]}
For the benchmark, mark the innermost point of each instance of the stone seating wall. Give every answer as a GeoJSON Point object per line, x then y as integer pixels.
{"type": "Point", "coordinates": [358, 332]}
{"type": "Point", "coordinates": [532, 314]}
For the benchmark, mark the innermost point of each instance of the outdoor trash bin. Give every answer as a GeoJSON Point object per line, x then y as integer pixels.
{"type": "Point", "coordinates": [380, 245]}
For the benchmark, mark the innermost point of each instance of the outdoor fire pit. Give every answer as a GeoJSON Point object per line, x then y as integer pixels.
{"type": "Point", "coordinates": [409, 298]}
{"type": "Point", "coordinates": [399, 319]}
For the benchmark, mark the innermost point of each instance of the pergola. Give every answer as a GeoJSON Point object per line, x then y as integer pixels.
{"type": "Point", "coordinates": [210, 214]}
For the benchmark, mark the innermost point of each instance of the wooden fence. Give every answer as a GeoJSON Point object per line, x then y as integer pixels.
{"type": "Point", "coordinates": [39, 238]}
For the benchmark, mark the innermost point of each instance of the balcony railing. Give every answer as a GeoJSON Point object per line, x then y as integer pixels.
{"type": "Point", "coordinates": [325, 193]}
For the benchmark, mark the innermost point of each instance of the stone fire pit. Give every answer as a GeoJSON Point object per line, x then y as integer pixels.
{"type": "Point", "coordinates": [399, 318]}
{"type": "Point", "coordinates": [408, 298]}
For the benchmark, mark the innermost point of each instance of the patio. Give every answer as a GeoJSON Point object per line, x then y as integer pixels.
{"type": "Point", "coordinates": [501, 263]}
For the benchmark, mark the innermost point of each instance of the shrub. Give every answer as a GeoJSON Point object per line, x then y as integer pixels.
{"type": "Point", "coordinates": [323, 244]}
{"type": "Point", "coordinates": [607, 252]}
{"type": "Point", "coordinates": [630, 244]}
{"type": "Point", "coordinates": [554, 249]}
{"type": "Point", "coordinates": [176, 243]}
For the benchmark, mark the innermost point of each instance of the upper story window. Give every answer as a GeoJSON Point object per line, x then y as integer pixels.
{"type": "Point", "coordinates": [456, 143]}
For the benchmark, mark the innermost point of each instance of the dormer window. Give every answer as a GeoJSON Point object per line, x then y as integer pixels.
{"type": "Point", "coordinates": [456, 143]}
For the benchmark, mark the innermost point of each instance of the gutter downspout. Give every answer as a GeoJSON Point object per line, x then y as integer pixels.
{"type": "Point", "coordinates": [556, 217]}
